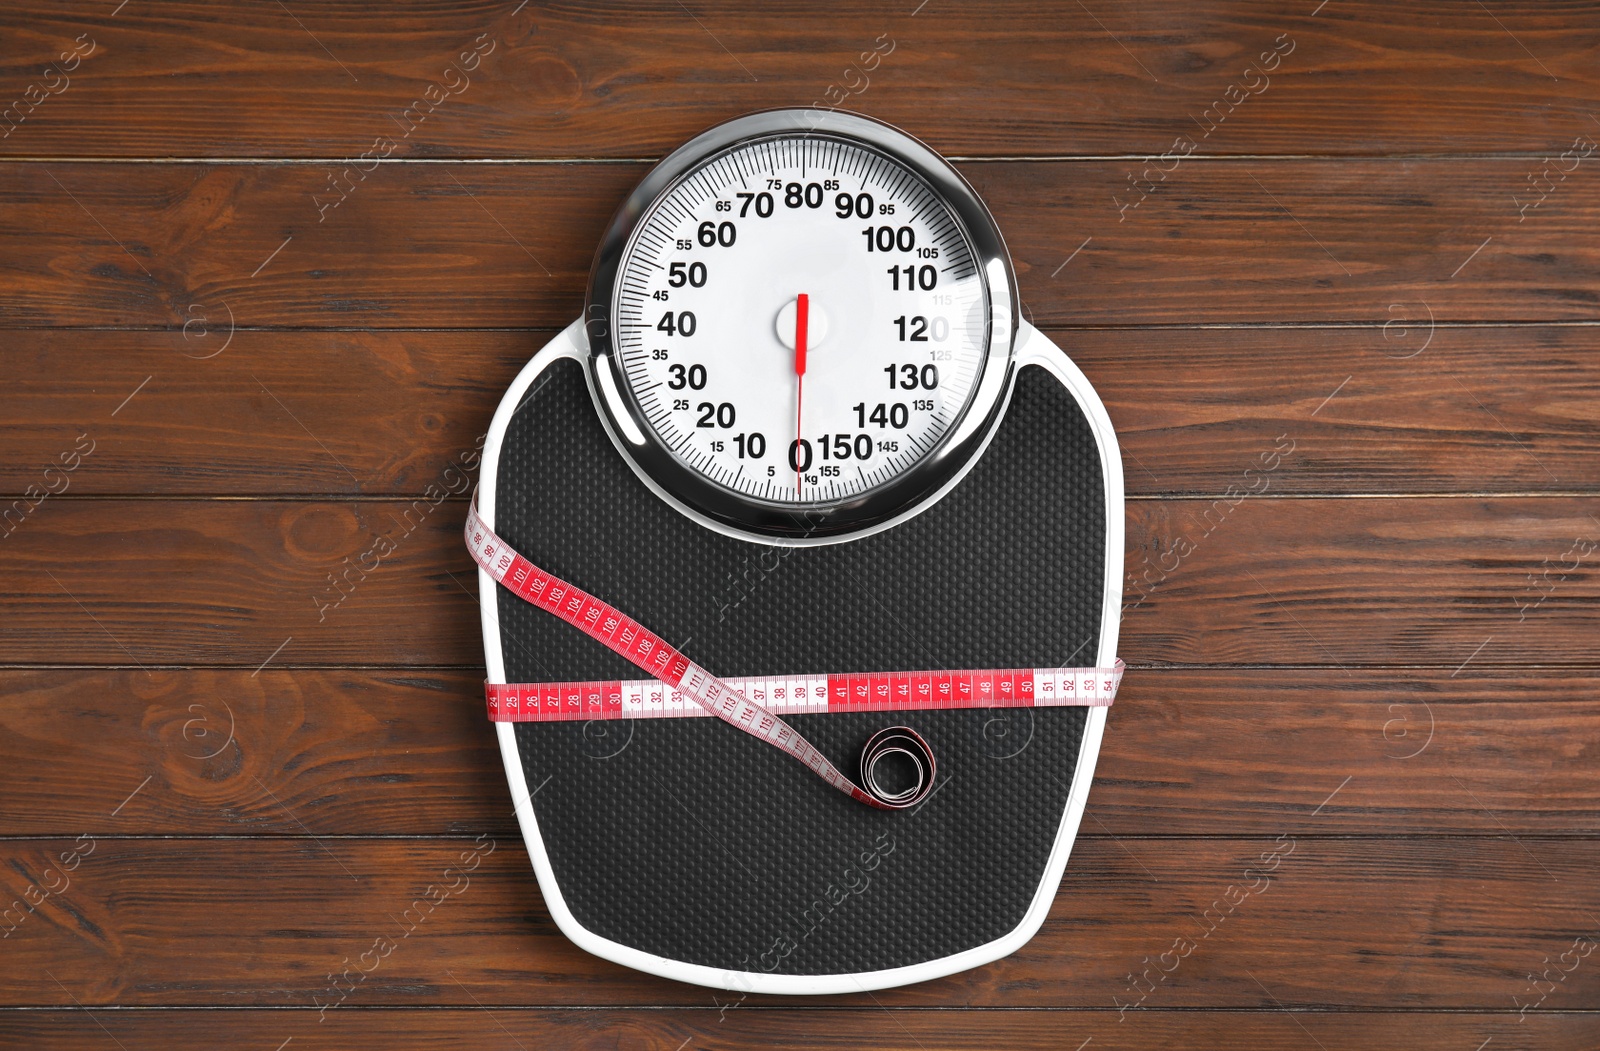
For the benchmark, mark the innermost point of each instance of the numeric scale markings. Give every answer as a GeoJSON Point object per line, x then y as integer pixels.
{"type": "Point", "coordinates": [809, 694]}
{"type": "Point", "coordinates": [747, 305]}
{"type": "Point", "coordinates": [678, 211]}
{"type": "Point", "coordinates": [678, 681]}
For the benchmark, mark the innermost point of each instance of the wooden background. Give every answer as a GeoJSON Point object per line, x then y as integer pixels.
{"type": "Point", "coordinates": [1384, 663]}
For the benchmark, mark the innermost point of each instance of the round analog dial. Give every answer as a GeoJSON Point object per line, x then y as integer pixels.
{"type": "Point", "coordinates": [799, 320]}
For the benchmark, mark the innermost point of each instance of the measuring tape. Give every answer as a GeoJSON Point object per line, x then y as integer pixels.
{"type": "Point", "coordinates": [678, 681]}
{"type": "Point", "coordinates": [555, 702]}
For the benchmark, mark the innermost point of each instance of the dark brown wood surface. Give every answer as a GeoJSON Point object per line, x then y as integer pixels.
{"type": "Point", "coordinates": [402, 752]}
{"type": "Point", "coordinates": [721, 1023]}
{"type": "Point", "coordinates": [1342, 582]}
{"type": "Point", "coordinates": [1421, 925]}
{"type": "Point", "coordinates": [1482, 410]}
{"type": "Point", "coordinates": [1384, 657]}
{"type": "Point", "coordinates": [1369, 241]}
{"type": "Point", "coordinates": [637, 79]}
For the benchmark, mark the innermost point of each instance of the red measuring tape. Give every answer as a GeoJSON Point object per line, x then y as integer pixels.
{"type": "Point", "coordinates": [682, 688]}
{"type": "Point", "coordinates": [556, 702]}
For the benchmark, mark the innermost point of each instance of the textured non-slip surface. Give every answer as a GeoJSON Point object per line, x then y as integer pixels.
{"type": "Point", "coordinates": [692, 841]}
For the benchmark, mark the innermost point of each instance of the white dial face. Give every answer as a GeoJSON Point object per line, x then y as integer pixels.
{"type": "Point", "coordinates": [800, 319]}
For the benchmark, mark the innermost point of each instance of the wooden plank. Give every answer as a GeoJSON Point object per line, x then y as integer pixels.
{"type": "Point", "coordinates": [1437, 582]}
{"type": "Point", "coordinates": [1317, 922]}
{"type": "Point", "coordinates": [1190, 752]}
{"type": "Point", "coordinates": [356, 413]}
{"type": "Point", "coordinates": [637, 79]}
{"type": "Point", "coordinates": [724, 1022]}
{"type": "Point", "coordinates": [247, 243]}
{"type": "Point", "coordinates": [1407, 410]}
{"type": "Point", "coordinates": [1361, 582]}
{"type": "Point", "coordinates": [1375, 198]}
{"type": "Point", "coordinates": [1403, 408]}
{"type": "Point", "coordinates": [242, 580]}
{"type": "Point", "coordinates": [1365, 241]}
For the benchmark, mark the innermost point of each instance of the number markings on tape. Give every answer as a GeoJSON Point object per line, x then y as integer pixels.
{"type": "Point", "coordinates": [810, 695]}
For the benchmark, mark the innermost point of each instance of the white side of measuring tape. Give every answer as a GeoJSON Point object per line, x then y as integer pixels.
{"type": "Point", "coordinates": [1033, 348]}
{"type": "Point", "coordinates": [645, 649]}
{"type": "Point", "coordinates": [553, 702]}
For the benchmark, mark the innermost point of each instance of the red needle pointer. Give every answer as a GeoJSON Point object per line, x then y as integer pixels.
{"type": "Point", "coordinates": [802, 313]}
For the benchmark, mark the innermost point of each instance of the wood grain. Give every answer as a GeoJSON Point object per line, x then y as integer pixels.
{"type": "Point", "coordinates": [1345, 923]}
{"type": "Point", "coordinates": [1365, 241]}
{"type": "Point", "coordinates": [1403, 408]}
{"type": "Point", "coordinates": [1189, 752]}
{"type": "Point", "coordinates": [1399, 409]}
{"type": "Point", "coordinates": [1382, 656]}
{"type": "Point", "coordinates": [1240, 580]}
{"type": "Point", "coordinates": [354, 413]}
{"type": "Point", "coordinates": [636, 79]}
{"type": "Point", "coordinates": [711, 1026]}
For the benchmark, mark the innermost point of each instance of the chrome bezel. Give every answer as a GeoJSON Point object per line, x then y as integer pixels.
{"type": "Point", "coordinates": [767, 521]}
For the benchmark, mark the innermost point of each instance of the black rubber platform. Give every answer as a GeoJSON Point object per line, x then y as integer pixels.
{"type": "Point", "coordinates": [690, 840]}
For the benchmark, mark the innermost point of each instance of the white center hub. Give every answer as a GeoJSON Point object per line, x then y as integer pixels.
{"type": "Point", "coordinates": [816, 323]}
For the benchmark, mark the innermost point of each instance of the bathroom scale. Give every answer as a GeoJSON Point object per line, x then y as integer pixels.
{"type": "Point", "coordinates": [800, 570]}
